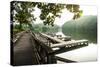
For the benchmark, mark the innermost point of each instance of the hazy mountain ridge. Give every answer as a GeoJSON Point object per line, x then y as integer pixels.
{"type": "Point", "coordinates": [82, 28]}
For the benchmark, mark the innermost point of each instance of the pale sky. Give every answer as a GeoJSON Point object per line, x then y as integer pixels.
{"type": "Point", "coordinates": [89, 10]}
{"type": "Point", "coordinates": [66, 15]}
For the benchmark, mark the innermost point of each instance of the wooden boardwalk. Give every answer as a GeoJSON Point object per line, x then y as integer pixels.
{"type": "Point", "coordinates": [31, 48]}
{"type": "Point", "coordinates": [24, 51]}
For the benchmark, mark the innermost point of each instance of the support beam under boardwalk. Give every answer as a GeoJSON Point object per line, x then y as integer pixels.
{"type": "Point", "coordinates": [65, 60]}
{"type": "Point", "coordinates": [68, 46]}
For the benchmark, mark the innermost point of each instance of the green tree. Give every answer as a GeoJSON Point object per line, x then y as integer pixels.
{"type": "Point", "coordinates": [49, 11]}
{"type": "Point", "coordinates": [22, 12]}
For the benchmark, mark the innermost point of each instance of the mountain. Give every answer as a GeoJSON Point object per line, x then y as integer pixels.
{"type": "Point", "coordinates": [82, 28]}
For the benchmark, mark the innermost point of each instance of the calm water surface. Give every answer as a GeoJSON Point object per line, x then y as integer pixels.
{"type": "Point", "coordinates": [88, 53]}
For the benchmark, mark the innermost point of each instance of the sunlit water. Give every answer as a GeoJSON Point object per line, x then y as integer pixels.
{"type": "Point", "coordinates": [88, 53]}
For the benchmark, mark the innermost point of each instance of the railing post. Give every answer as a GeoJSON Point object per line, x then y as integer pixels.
{"type": "Point", "coordinates": [51, 59]}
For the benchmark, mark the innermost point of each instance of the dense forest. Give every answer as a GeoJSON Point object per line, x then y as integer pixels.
{"type": "Point", "coordinates": [82, 28]}
{"type": "Point", "coordinates": [45, 28]}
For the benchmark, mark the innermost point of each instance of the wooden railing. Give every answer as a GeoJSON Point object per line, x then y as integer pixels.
{"type": "Point", "coordinates": [70, 43]}
{"type": "Point", "coordinates": [43, 52]}
{"type": "Point", "coordinates": [46, 54]}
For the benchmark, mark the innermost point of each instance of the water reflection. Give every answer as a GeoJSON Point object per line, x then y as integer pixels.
{"type": "Point", "coordinates": [88, 53]}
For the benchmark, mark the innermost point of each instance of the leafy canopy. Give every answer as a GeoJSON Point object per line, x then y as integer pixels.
{"type": "Point", "coordinates": [49, 11]}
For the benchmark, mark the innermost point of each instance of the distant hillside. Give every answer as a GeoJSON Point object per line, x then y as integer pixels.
{"type": "Point", "coordinates": [82, 28]}
{"type": "Point", "coordinates": [45, 28]}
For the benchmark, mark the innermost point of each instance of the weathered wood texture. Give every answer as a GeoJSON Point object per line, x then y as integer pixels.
{"type": "Point", "coordinates": [44, 52]}
{"type": "Point", "coordinates": [70, 43]}
{"type": "Point", "coordinates": [52, 38]}
{"type": "Point", "coordinates": [24, 52]}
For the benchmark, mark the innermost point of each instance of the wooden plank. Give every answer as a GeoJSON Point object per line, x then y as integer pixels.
{"type": "Point", "coordinates": [68, 43]}
{"type": "Point", "coordinates": [52, 38]}
{"type": "Point", "coordinates": [24, 53]}
{"type": "Point", "coordinates": [67, 38]}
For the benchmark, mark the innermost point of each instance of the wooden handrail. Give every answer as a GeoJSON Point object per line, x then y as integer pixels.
{"type": "Point", "coordinates": [68, 43]}
{"type": "Point", "coordinates": [46, 49]}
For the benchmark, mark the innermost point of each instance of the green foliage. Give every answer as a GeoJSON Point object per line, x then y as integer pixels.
{"type": "Point", "coordinates": [16, 29]}
{"type": "Point", "coordinates": [74, 9]}
{"type": "Point", "coordinates": [22, 13]}
{"type": "Point", "coordinates": [82, 28]}
{"type": "Point", "coordinates": [45, 28]}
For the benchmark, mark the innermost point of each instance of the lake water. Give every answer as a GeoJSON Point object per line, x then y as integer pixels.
{"type": "Point", "coordinates": [88, 53]}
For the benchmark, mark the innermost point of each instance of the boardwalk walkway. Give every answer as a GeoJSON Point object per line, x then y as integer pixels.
{"type": "Point", "coordinates": [32, 49]}
{"type": "Point", "coordinates": [24, 53]}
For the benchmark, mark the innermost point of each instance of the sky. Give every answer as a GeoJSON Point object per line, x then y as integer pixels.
{"type": "Point", "coordinates": [66, 15]}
